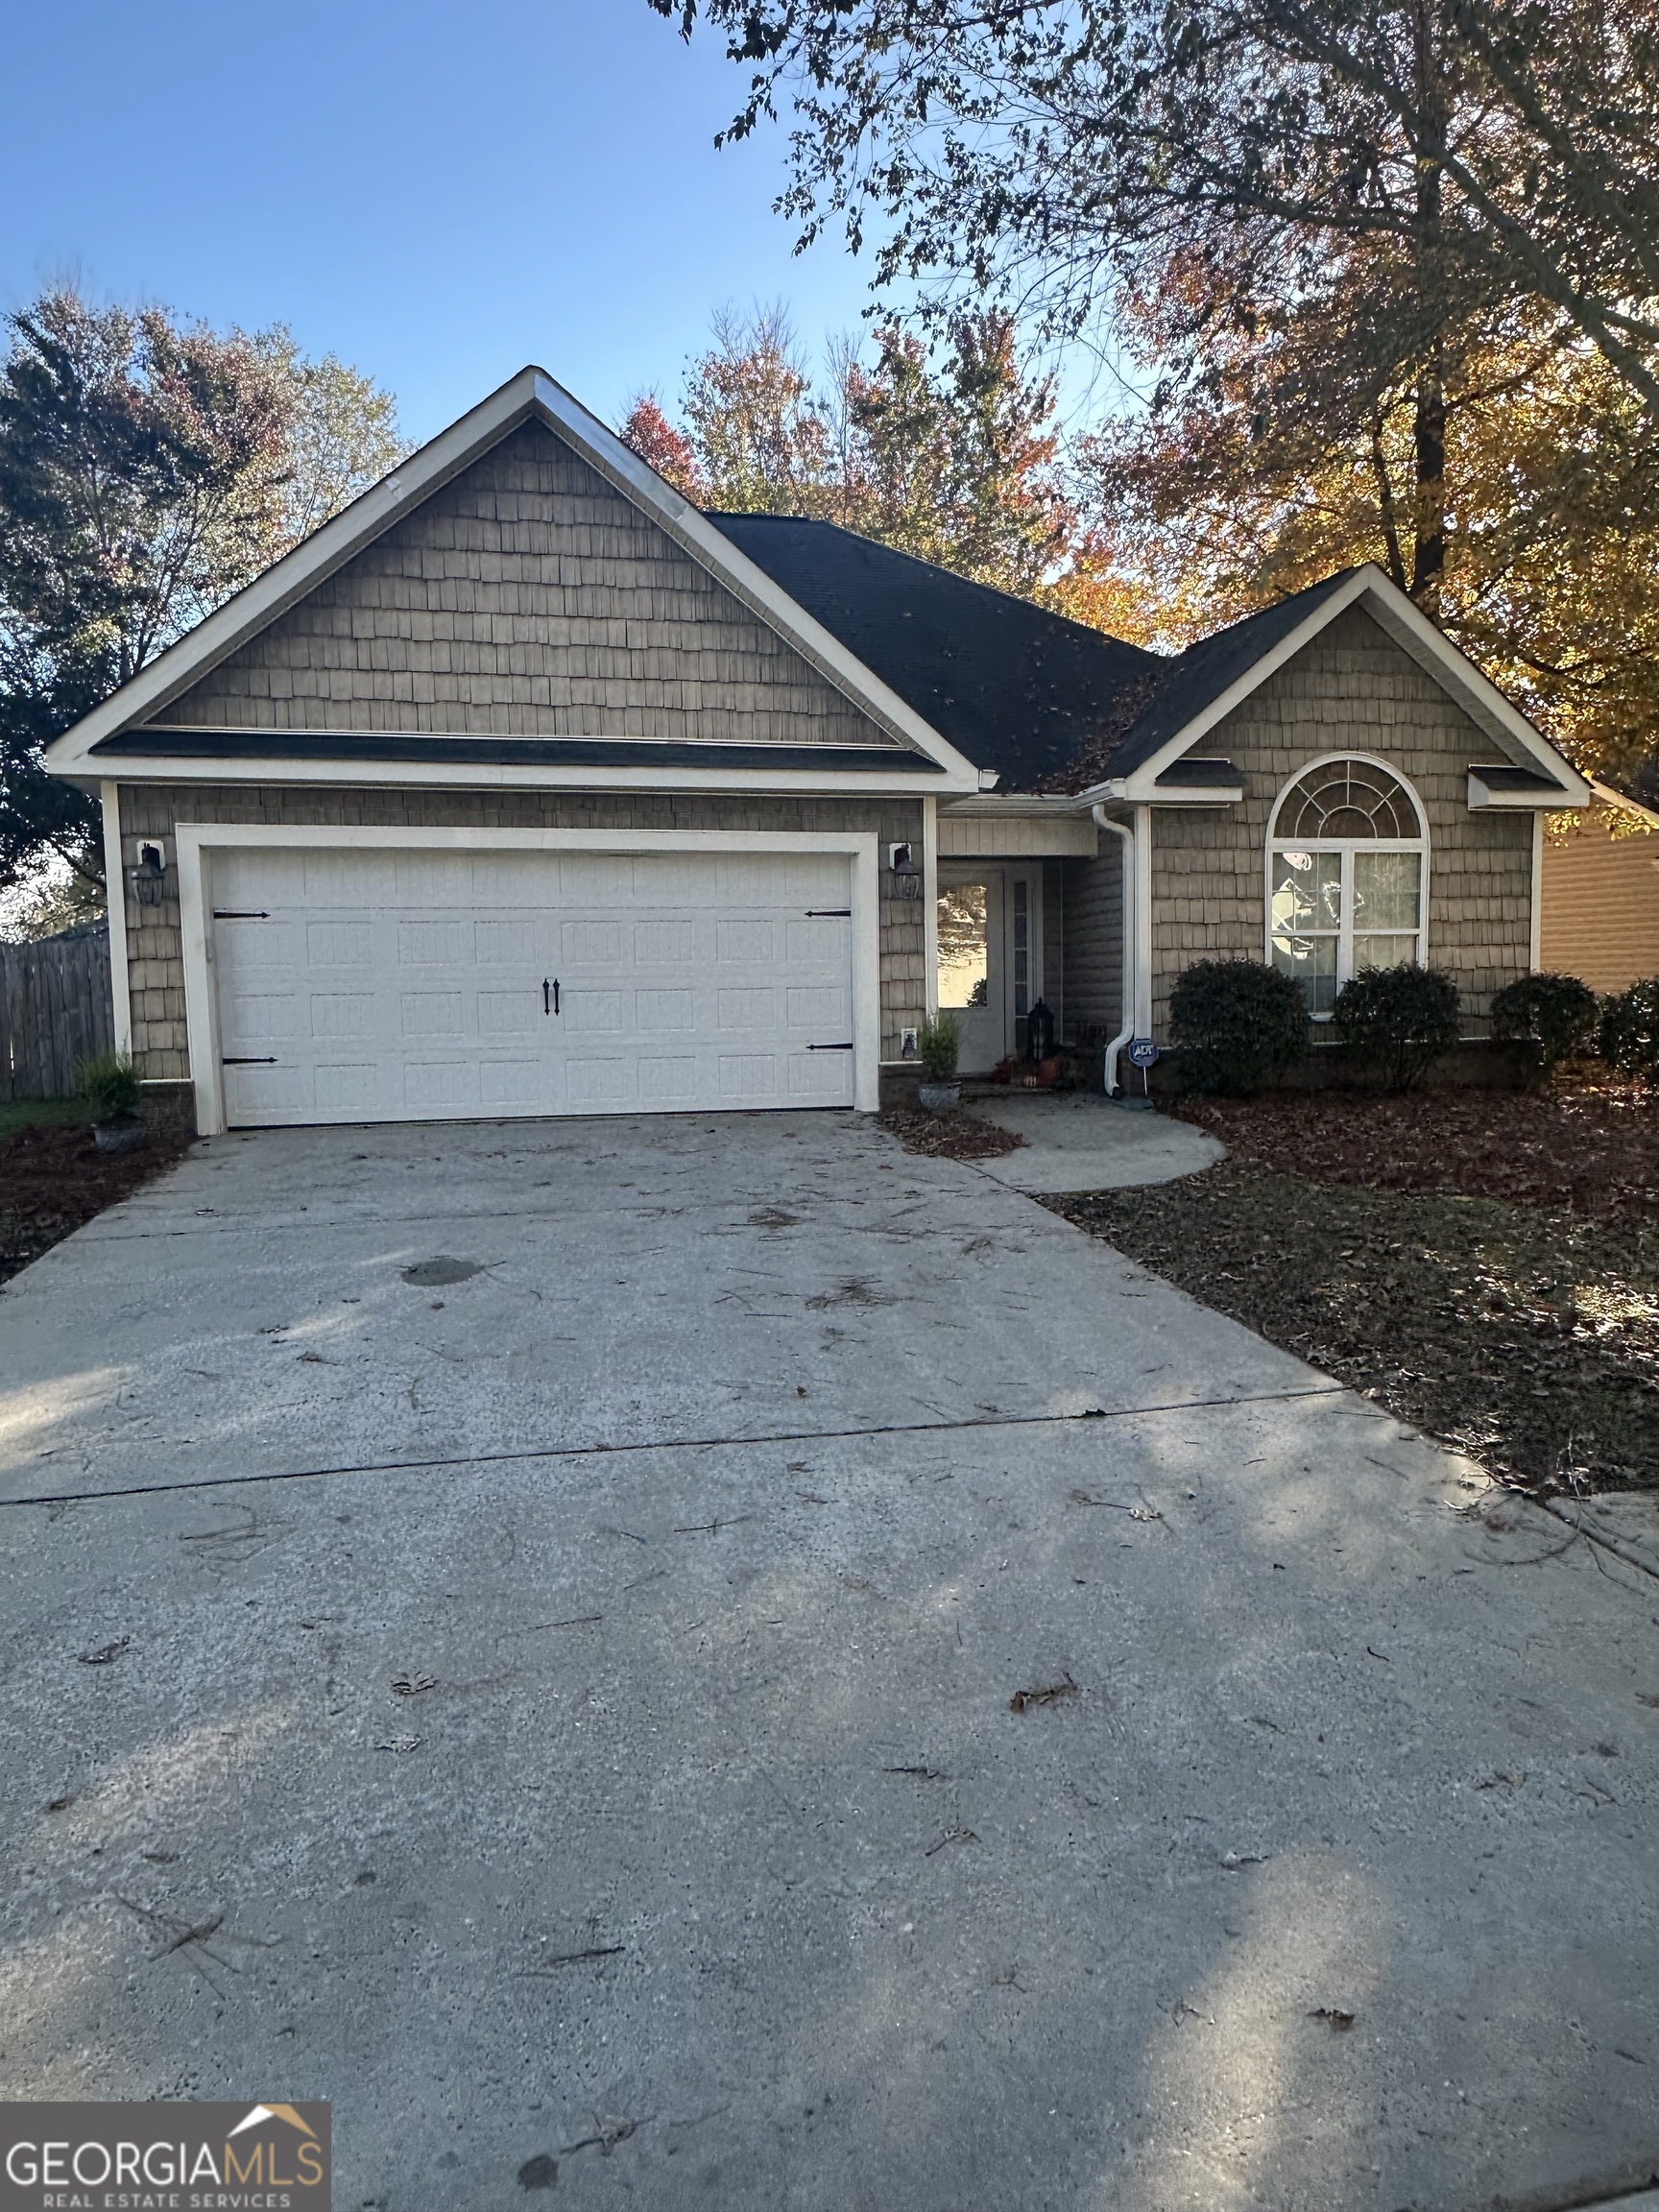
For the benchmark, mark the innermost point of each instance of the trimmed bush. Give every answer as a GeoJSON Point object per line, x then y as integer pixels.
{"type": "Point", "coordinates": [938, 1045]}
{"type": "Point", "coordinates": [1397, 1021]}
{"type": "Point", "coordinates": [1239, 1026]}
{"type": "Point", "coordinates": [1630, 1029]}
{"type": "Point", "coordinates": [109, 1085]}
{"type": "Point", "coordinates": [1558, 1010]}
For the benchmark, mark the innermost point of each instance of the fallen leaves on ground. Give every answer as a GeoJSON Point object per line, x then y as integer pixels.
{"type": "Point", "coordinates": [1527, 1336]}
{"type": "Point", "coordinates": [1590, 1143]}
{"type": "Point", "coordinates": [947, 1136]}
{"type": "Point", "coordinates": [53, 1178]}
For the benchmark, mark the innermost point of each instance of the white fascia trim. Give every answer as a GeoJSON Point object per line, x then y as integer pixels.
{"type": "Point", "coordinates": [195, 843]}
{"type": "Point", "coordinates": [501, 775]}
{"type": "Point", "coordinates": [531, 393]}
{"type": "Point", "coordinates": [1028, 805]}
{"type": "Point", "coordinates": [1410, 629]}
{"type": "Point", "coordinates": [1483, 799]}
{"type": "Point", "coordinates": [115, 900]}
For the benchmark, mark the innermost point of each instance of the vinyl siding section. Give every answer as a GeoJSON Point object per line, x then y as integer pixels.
{"type": "Point", "coordinates": [527, 597]}
{"type": "Point", "coordinates": [1352, 690]}
{"type": "Point", "coordinates": [1092, 906]}
{"type": "Point", "coordinates": [151, 813]}
{"type": "Point", "coordinates": [1601, 903]}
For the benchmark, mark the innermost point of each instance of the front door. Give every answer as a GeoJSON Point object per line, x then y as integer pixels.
{"type": "Point", "coordinates": [988, 955]}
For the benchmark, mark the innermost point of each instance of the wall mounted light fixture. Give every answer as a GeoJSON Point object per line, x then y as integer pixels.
{"type": "Point", "coordinates": [149, 880]}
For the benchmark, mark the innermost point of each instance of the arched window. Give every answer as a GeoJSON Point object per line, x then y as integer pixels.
{"type": "Point", "coordinates": [1347, 870]}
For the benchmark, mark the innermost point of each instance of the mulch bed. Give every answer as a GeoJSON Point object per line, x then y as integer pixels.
{"type": "Point", "coordinates": [947, 1136]}
{"type": "Point", "coordinates": [53, 1179]}
{"type": "Point", "coordinates": [1590, 1143]}
{"type": "Point", "coordinates": [1486, 1266]}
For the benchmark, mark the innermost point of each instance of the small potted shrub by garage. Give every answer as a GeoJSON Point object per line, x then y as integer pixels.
{"type": "Point", "coordinates": [938, 1043]}
{"type": "Point", "coordinates": [109, 1086]}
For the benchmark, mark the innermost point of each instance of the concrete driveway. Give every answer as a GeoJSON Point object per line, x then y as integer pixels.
{"type": "Point", "coordinates": [515, 1629]}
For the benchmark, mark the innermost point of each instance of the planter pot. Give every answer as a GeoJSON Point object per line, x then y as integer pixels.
{"type": "Point", "coordinates": [119, 1136]}
{"type": "Point", "coordinates": [939, 1097]}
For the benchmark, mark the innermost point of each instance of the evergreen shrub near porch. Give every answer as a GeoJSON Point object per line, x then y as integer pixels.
{"type": "Point", "coordinates": [1239, 1026]}
{"type": "Point", "coordinates": [1396, 1022]}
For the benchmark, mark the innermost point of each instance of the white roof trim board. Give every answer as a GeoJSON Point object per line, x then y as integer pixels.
{"type": "Point", "coordinates": [530, 395]}
{"type": "Point", "coordinates": [1413, 631]}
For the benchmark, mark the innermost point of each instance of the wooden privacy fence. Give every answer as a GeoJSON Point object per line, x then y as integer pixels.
{"type": "Point", "coordinates": [56, 1009]}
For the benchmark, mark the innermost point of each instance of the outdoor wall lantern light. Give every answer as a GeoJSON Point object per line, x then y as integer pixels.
{"type": "Point", "coordinates": [149, 880]}
{"type": "Point", "coordinates": [906, 876]}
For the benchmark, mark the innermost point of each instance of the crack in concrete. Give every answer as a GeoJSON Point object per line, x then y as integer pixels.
{"type": "Point", "coordinates": [429, 1466]}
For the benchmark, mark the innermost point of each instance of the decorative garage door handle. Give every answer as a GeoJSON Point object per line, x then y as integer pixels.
{"type": "Point", "coordinates": [549, 996]}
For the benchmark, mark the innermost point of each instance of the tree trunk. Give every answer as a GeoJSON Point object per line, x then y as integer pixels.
{"type": "Point", "coordinates": [1428, 425]}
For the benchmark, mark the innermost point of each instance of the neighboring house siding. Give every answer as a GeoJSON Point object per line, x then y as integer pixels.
{"type": "Point", "coordinates": [152, 812]}
{"type": "Point", "coordinates": [1353, 689]}
{"type": "Point", "coordinates": [1092, 920]}
{"type": "Point", "coordinates": [526, 598]}
{"type": "Point", "coordinates": [1601, 903]}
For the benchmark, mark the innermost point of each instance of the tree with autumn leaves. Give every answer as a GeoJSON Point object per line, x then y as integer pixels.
{"type": "Point", "coordinates": [1386, 271]}
{"type": "Point", "coordinates": [952, 456]}
{"type": "Point", "coordinates": [149, 468]}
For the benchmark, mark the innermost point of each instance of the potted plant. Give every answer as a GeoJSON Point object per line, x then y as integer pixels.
{"type": "Point", "coordinates": [109, 1086]}
{"type": "Point", "coordinates": [938, 1042]}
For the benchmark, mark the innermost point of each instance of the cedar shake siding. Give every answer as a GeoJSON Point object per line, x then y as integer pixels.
{"type": "Point", "coordinates": [526, 598]}
{"type": "Point", "coordinates": [1602, 902]}
{"type": "Point", "coordinates": [151, 812]}
{"type": "Point", "coordinates": [1351, 690]}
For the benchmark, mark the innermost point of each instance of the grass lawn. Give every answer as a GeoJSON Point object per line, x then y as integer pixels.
{"type": "Point", "coordinates": [1484, 1266]}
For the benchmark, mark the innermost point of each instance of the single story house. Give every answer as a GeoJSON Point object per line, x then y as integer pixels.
{"type": "Point", "coordinates": [1600, 908]}
{"type": "Point", "coordinates": [524, 787]}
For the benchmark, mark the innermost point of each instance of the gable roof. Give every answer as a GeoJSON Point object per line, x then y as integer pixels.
{"type": "Point", "coordinates": [1202, 685]}
{"type": "Point", "coordinates": [1019, 690]}
{"type": "Point", "coordinates": [1195, 678]}
{"type": "Point", "coordinates": [532, 396]}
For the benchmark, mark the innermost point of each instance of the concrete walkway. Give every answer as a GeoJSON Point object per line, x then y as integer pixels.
{"type": "Point", "coordinates": [518, 1631]}
{"type": "Point", "coordinates": [1077, 1140]}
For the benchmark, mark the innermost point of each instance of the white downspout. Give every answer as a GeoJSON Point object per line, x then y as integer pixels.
{"type": "Point", "coordinates": [1128, 961]}
{"type": "Point", "coordinates": [1142, 922]}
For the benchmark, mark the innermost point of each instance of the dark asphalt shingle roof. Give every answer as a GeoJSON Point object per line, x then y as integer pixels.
{"type": "Point", "coordinates": [1050, 704]}
{"type": "Point", "coordinates": [1199, 676]}
{"type": "Point", "coordinates": [1011, 685]}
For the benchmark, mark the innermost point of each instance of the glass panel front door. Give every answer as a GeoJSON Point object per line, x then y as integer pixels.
{"type": "Point", "coordinates": [990, 958]}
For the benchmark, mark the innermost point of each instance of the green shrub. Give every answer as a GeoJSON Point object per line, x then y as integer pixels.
{"type": "Point", "coordinates": [938, 1044]}
{"type": "Point", "coordinates": [1558, 1010]}
{"type": "Point", "coordinates": [1397, 1021]}
{"type": "Point", "coordinates": [1630, 1029]}
{"type": "Point", "coordinates": [109, 1085]}
{"type": "Point", "coordinates": [1237, 1023]}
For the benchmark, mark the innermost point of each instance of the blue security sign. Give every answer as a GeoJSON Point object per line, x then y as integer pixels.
{"type": "Point", "coordinates": [1142, 1053]}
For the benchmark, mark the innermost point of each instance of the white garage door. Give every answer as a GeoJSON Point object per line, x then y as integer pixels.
{"type": "Point", "coordinates": [429, 986]}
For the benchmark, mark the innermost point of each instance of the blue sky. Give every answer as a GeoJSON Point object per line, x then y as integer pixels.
{"type": "Point", "coordinates": [437, 192]}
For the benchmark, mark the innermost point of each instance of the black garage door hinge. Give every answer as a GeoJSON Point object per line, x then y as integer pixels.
{"type": "Point", "coordinates": [847, 1047]}
{"type": "Point", "coordinates": [251, 1060]}
{"type": "Point", "coordinates": [829, 913]}
{"type": "Point", "coordinates": [238, 914]}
